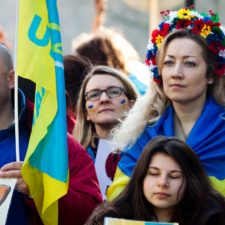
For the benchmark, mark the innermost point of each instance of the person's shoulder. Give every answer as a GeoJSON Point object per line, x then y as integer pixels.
{"type": "Point", "coordinates": [73, 145]}
{"type": "Point", "coordinates": [72, 142]}
{"type": "Point", "coordinates": [211, 102]}
{"type": "Point", "coordinates": [146, 134]}
{"type": "Point", "coordinates": [214, 210]}
{"type": "Point", "coordinates": [137, 146]}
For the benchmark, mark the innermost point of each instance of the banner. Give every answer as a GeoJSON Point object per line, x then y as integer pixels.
{"type": "Point", "coordinates": [39, 58]}
{"type": "Point", "coordinates": [6, 190]}
{"type": "Point", "coordinates": [115, 221]}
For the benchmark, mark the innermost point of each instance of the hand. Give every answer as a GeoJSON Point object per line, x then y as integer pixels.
{"type": "Point", "coordinates": [100, 13]}
{"type": "Point", "coordinates": [100, 6]}
{"type": "Point", "coordinates": [13, 170]}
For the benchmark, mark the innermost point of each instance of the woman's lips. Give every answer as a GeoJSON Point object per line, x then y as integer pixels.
{"type": "Point", "coordinates": [162, 195]}
{"type": "Point", "coordinates": [105, 110]}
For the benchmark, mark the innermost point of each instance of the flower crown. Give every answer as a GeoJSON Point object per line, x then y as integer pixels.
{"type": "Point", "coordinates": [207, 26]}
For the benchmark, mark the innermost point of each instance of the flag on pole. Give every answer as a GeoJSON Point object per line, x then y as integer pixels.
{"type": "Point", "coordinates": [39, 58]}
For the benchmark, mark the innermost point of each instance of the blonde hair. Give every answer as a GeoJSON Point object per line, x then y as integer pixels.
{"type": "Point", "coordinates": [151, 106]}
{"type": "Point", "coordinates": [85, 130]}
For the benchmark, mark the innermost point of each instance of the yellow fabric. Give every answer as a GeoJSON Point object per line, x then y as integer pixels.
{"type": "Point", "coordinates": [35, 62]}
{"type": "Point", "coordinates": [119, 183]}
{"type": "Point", "coordinates": [42, 64]}
{"type": "Point", "coordinates": [219, 185]}
{"type": "Point", "coordinates": [45, 191]}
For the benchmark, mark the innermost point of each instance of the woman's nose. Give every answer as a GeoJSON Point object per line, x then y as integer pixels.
{"type": "Point", "coordinates": [163, 182]}
{"type": "Point", "coordinates": [104, 97]}
{"type": "Point", "coordinates": [177, 71]}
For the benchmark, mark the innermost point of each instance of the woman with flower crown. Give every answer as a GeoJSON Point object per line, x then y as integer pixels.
{"type": "Point", "coordinates": [186, 56]}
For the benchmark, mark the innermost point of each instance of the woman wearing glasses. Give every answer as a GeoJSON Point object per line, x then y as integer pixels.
{"type": "Point", "coordinates": [105, 97]}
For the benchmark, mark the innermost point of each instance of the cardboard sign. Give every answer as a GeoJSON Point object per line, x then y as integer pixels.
{"type": "Point", "coordinates": [116, 221]}
{"type": "Point", "coordinates": [6, 189]}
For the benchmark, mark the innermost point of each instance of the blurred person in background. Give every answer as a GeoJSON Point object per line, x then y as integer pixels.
{"type": "Point", "coordinates": [100, 14]}
{"type": "Point", "coordinates": [75, 70]}
{"type": "Point", "coordinates": [109, 47]}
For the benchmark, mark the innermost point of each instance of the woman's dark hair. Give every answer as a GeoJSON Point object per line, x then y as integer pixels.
{"type": "Point", "coordinates": [132, 204]}
{"type": "Point", "coordinates": [75, 70]}
{"type": "Point", "coordinates": [100, 51]}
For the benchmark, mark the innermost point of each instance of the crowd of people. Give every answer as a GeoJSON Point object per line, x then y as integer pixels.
{"type": "Point", "coordinates": [169, 163]}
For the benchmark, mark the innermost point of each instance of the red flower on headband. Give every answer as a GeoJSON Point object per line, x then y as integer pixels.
{"type": "Point", "coordinates": [197, 27]}
{"type": "Point", "coordinates": [160, 33]}
{"type": "Point", "coordinates": [147, 62]}
{"type": "Point", "coordinates": [219, 69]}
{"type": "Point", "coordinates": [215, 47]}
{"type": "Point", "coordinates": [165, 29]}
{"type": "Point", "coordinates": [182, 24]}
{"type": "Point", "coordinates": [155, 35]}
{"type": "Point", "coordinates": [153, 60]}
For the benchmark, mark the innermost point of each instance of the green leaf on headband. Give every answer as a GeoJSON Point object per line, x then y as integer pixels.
{"type": "Point", "coordinates": [215, 18]}
{"type": "Point", "coordinates": [223, 42]}
{"type": "Point", "coordinates": [203, 14]}
{"type": "Point", "coordinates": [217, 30]}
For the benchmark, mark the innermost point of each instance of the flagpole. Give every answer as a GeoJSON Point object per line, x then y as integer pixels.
{"type": "Point", "coordinates": [16, 105]}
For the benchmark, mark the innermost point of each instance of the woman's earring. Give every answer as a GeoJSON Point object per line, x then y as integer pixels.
{"type": "Point", "coordinates": [210, 81]}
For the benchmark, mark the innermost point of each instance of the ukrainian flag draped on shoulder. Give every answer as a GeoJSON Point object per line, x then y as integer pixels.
{"type": "Point", "coordinates": [39, 58]}
{"type": "Point", "coordinates": [206, 138]}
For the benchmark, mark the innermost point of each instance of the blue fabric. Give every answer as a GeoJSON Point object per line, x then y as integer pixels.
{"type": "Point", "coordinates": [207, 139]}
{"type": "Point", "coordinates": [17, 214]}
{"type": "Point", "coordinates": [91, 153]}
{"type": "Point", "coordinates": [141, 87]}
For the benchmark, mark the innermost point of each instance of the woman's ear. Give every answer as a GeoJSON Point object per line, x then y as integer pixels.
{"type": "Point", "coordinates": [131, 103]}
{"type": "Point", "coordinates": [11, 79]}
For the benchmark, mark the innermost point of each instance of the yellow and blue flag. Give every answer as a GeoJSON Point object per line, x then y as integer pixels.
{"type": "Point", "coordinates": [39, 58]}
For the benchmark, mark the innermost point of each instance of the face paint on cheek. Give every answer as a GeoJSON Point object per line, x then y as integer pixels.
{"type": "Point", "coordinates": [123, 104]}
{"type": "Point", "coordinates": [91, 108]}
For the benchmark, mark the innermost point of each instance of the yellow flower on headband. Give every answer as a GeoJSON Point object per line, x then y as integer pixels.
{"type": "Point", "coordinates": [184, 14]}
{"type": "Point", "coordinates": [205, 31]}
{"type": "Point", "coordinates": [158, 40]}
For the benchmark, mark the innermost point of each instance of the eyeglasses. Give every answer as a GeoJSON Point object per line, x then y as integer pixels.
{"type": "Point", "coordinates": [111, 92]}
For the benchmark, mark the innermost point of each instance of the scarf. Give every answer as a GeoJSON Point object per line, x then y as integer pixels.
{"type": "Point", "coordinates": [207, 139]}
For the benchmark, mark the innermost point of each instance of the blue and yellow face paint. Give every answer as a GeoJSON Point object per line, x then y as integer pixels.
{"type": "Point", "coordinates": [123, 104]}
{"type": "Point", "coordinates": [123, 101]}
{"type": "Point", "coordinates": [91, 108]}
